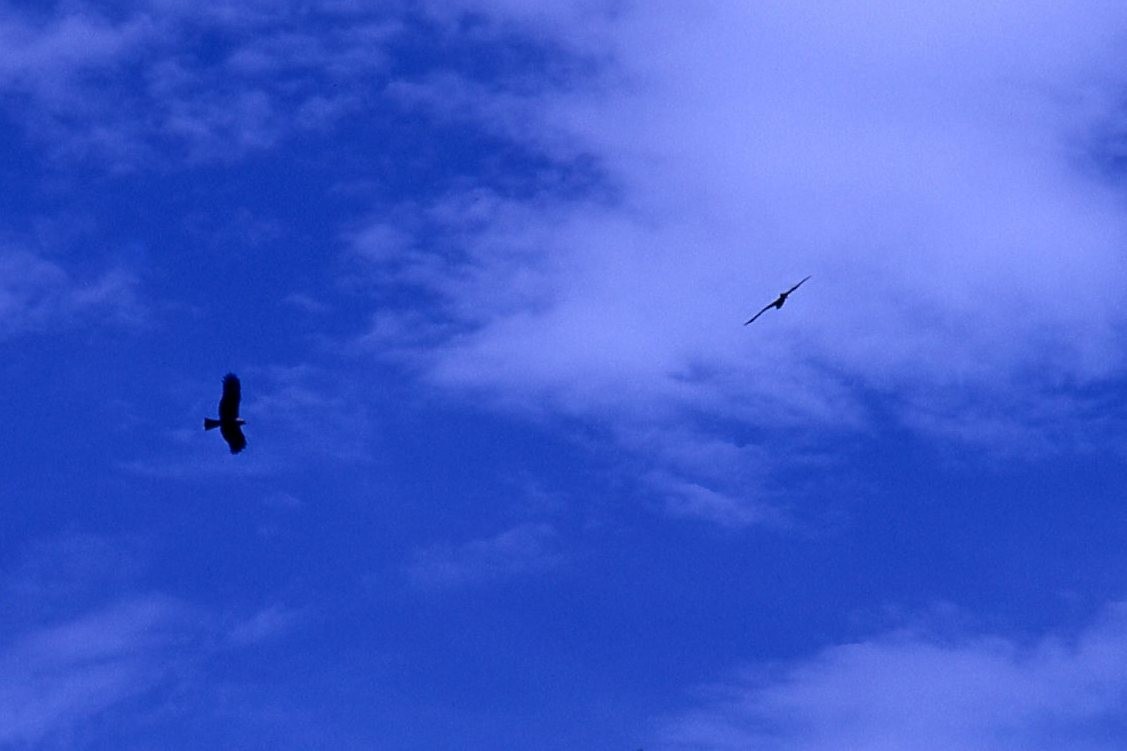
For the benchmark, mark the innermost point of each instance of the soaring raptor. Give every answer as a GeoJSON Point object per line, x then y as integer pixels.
{"type": "Point", "coordinates": [229, 424]}
{"type": "Point", "coordinates": [778, 302]}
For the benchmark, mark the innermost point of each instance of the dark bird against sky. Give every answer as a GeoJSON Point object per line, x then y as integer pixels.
{"type": "Point", "coordinates": [229, 424]}
{"type": "Point", "coordinates": [778, 302]}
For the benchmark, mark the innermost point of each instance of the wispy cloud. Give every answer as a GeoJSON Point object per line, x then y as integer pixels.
{"type": "Point", "coordinates": [45, 58]}
{"type": "Point", "coordinates": [214, 82]}
{"type": "Point", "coordinates": [910, 690]}
{"type": "Point", "coordinates": [37, 294]}
{"type": "Point", "coordinates": [311, 411]}
{"type": "Point", "coordinates": [54, 677]}
{"type": "Point", "coordinates": [267, 624]}
{"type": "Point", "coordinates": [690, 499]}
{"type": "Point", "coordinates": [82, 637]}
{"type": "Point", "coordinates": [524, 549]}
{"type": "Point", "coordinates": [53, 577]}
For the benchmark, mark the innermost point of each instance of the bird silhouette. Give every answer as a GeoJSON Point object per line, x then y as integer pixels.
{"type": "Point", "coordinates": [229, 424]}
{"type": "Point", "coordinates": [782, 298]}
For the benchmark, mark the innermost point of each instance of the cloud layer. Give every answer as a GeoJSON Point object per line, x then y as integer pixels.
{"type": "Point", "coordinates": [944, 175]}
{"type": "Point", "coordinates": [909, 690]}
{"type": "Point", "coordinates": [160, 82]}
{"type": "Point", "coordinates": [58, 676]}
{"type": "Point", "coordinates": [38, 294]}
{"type": "Point", "coordinates": [934, 171]}
{"type": "Point", "coordinates": [82, 639]}
{"type": "Point", "coordinates": [524, 549]}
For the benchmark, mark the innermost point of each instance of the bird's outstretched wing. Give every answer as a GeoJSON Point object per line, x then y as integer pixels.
{"type": "Point", "coordinates": [792, 289]}
{"type": "Point", "coordinates": [759, 314]}
{"type": "Point", "coordinates": [233, 434]}
{"type": "Point", "coordinates": [229, 404]}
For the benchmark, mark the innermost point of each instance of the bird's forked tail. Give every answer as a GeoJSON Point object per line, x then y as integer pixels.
{"type": "Point", "coordinates": [208, 423]}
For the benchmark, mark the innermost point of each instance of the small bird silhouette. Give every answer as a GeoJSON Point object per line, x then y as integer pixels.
{"type": "Point", "coordinates": [229, 424]}
{"type": "Point", "coordinates": [778, 302]}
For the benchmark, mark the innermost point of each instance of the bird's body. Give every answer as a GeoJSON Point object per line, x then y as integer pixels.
{"type": "Point", "coordinates": [229, 424]}
{"type": "Point", "coordinates": [778, 303]}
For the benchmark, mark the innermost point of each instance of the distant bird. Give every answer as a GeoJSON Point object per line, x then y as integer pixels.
{"type": "Point", "coordinates": [778, 303]}
{"type": "Point", "coordinates": [229, 424]}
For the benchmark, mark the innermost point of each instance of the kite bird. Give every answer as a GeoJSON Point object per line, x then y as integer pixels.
{"type": "Point", "coordinates": [229, 424]}
{"type": "Point", "coordinates": [778, 303]}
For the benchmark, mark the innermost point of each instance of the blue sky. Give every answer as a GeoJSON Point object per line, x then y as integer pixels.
{"type": "Point", "coordinates": [517, 476]}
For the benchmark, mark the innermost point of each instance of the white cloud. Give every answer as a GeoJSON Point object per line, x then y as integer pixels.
{"type": "Point", "coordinates": [690, 499]}
{"type": "Point", "coordinates": [70, 655]}
{"type": "Point", "coordinates": [60, 574]}
{"type": "Point", "coordinates": [138, 85]}
{"type": "Point", "coordinates": [933, 168]}
{"type": "Point", "coordinates": [308, 410]}
{"type": "Point", "coordinates": [933, 192]}
{"type": "Point", "coordinates": [57, 676]}
{"type": "Point", "coordinates": [524, 549]}
{"type": "Point", "coordinates": [37, 294]}
{"type": "Point", "coordinates": [906, 690]}
{"type": "Point", "coordinates": [266, 625]}
{"type": "Point", "coordinates": [44, 58]}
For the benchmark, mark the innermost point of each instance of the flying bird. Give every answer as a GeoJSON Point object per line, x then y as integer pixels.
{"type": "Point", "coordinates": [229, 424]}
{"type": "Point", "coordinates": [778, 302]}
